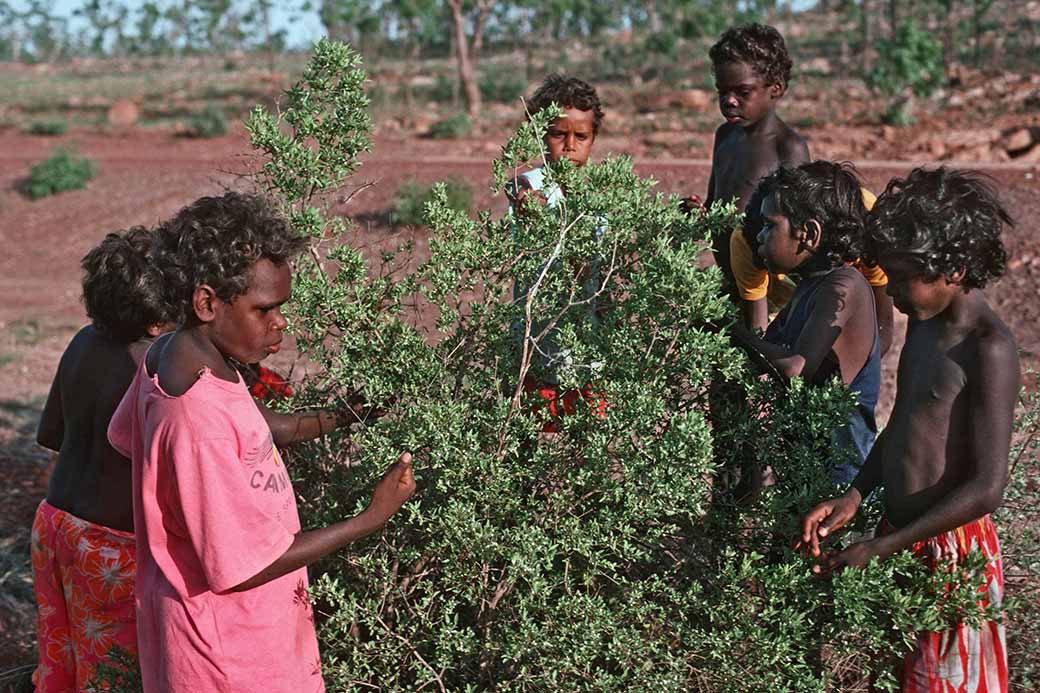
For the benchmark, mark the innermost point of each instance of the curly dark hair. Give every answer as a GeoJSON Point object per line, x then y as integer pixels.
{"type": "Point", "coordinates": [216, 241]}
{"type": "Point", "coordinates": [568, 92]}
{"type": "Point", "coordinates": [831, 194]}
{"type": "Point", "coordinates": [122, 289]}
{"type": "Point", "coordinates": [943, 220]}
{"type": "Point", "coordinates": [760, 46]}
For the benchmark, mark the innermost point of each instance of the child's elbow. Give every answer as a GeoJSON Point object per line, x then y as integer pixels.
{"type": "Point", "coordinates": [991, 495]}
{"type": "Point", "coordinates": [793, 367]}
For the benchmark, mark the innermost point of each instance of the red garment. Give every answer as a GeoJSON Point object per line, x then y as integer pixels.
{"type": "Point", "coordinates": [83, 576]}
{"type": "Point", "coordinates": [567, 403]}
{"type": "Point", "coordinates": [962, 659]}
{"type": "Point", "coordinates": [268, 385]}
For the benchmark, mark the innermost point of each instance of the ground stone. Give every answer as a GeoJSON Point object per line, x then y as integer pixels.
{"type": "Point", "coordinates": [696, 100]}
{"type": "Point", "coordinates": [123, 114]}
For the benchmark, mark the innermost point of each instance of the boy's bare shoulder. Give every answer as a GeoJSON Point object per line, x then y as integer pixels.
{"type": "Point", "coordinates": [791, 148]}
{"type": "Point", "coordinates": [996, 343]}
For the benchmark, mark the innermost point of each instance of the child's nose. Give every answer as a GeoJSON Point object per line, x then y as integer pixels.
{"type": "Point", "coordinates": [569, 143]}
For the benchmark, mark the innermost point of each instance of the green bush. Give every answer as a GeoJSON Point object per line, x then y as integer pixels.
{"type": "Point", "coordinates": [909, 65]}
{"type": "Point", "coordinates": [208, 123]}
{"type": "Point", "coordinates": [412, 199]}
{"type": "Point", "coordinates": [455, 127]}
{"type": "Point", "coordinates": [504, 85]}
{"type": "Point", "coordinates": [616, 553]}
{"type": "Point", "coordinates": [48, 128]}
{"type": "Point", "coordinates": [63, 170]}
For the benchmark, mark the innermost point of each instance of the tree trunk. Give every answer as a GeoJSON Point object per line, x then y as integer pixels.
{"type": "Point", "coordinates": [865, 36]}
{"type": "Point", "coordinates": [467, 70]}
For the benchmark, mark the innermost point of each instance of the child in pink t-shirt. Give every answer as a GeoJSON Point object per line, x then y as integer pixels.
{"type": "Point", "coordinates": [222, 602]}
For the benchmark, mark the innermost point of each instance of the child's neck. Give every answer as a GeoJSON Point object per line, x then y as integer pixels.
{"type": "Point", "coordinates": [201, 352]}
{"type": "Point", "coordinates": [763, 126]}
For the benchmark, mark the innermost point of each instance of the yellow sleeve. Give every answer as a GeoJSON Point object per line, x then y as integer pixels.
{"type": "Point", "coordinates": [875, 276]}
{"type": "Point", "coordinates": [752, 282]}
{"type": "Point", "coordinates": [869, 198]}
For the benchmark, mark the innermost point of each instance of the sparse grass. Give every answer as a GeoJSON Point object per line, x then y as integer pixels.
{"type": "Point", "coordinates": [26, 332]}
{"type": "Point", "coordinates": [208, 123]}
{"type": "Point", "coordinates": [453, 128]}
{"type": "Point", "coordinates": [63, 171]}
{"type": "Point", "coordinates": [411, 199]}
{"type": "Point", "coordinates": [49, 128]}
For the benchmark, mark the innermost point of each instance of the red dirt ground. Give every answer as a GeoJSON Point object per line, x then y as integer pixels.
{"type": "Point", "coordinates": [146, 176]}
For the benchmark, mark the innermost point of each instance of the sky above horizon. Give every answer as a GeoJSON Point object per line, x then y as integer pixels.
{"type": "Point", "coordinates": [302, 28]}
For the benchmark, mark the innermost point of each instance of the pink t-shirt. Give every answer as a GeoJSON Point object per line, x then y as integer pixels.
{"type": "Point", "coordinates": [213, 506]}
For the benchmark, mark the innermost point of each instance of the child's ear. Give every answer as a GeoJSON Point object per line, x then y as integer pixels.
{"type": "Point", "coordinates": [204, 303]}
{"type": "Point", "coordinates": [812, 234]}
{"type": "Point", "coordinates": [777, 89]}
{"type": "Point", "coordinates": [957, 277]}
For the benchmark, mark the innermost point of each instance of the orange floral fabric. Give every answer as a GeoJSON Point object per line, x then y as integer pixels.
{"type": "Point", "coordinates": [83, 576]}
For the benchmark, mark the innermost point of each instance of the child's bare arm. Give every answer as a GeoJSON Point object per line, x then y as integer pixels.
{"type": "Point", "coordinates": [297, 427]}
{"type": "Point", "coordinates": [755, 313]}
{"type": "Point", "coordinates": [287, 429]}
{"type": "Point", "coordinates": [831, 515]}
{"type": "Point", "coordinates": [51, 431]}
{"type": "Point", "coordinates": [816, 339]}
{"type": "Point", "coordinates": [396, 486]}
{"type": "Point", "coordinates": [883, 309]}
{"type": "Point", "coordinates": [992, 392]}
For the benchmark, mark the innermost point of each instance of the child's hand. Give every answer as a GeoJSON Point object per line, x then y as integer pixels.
{"type": "Point", "coordinates": [856, 556]}
{"type": "Point", "coordinates": [692, 204]}
{"type": "Point", "coordinates": [396, 486]}
{"type": "Point", "coordinates": [825, 519]}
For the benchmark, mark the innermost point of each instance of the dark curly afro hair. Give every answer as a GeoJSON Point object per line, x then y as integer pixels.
{"type": "Point", "coordinates": [831, 194]}
{"type": "Point", "coordinates": [944, 220]}
{"type": "Point", "coordinates": [216, 241]}
{"type": "Point", "coordinates": [760, 46]}
{"type": "Point", "coordinates": [122, 289]}
{"type": "Point", "coordinates": [568, 92]}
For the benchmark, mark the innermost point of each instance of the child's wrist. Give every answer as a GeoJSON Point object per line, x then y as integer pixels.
{"type": "Point", "coordinates": [855, 495]}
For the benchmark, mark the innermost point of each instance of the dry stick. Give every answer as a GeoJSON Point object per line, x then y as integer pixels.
{"type": "Point", "coordinates": [408, 643]}
{"type": "Point", "coordinates": [525, 360]}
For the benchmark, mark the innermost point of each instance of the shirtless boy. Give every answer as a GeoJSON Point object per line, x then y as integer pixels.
{"type": "Point", "coordinates": [752, 70]}
{"type": "Point", "coordinates": [82, 541]}
{"type": "Point", "coordinates": [942, 460]}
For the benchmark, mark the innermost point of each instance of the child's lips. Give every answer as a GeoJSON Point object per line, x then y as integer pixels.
{"type": "Point", "coordinates": [274, 348]}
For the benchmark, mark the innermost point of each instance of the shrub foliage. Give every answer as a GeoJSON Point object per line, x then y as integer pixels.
{"type": "Point", "coordinates": [616, 553]}
{"type": "Point", "coordinates": [63, 170]}
{"type": "Point", "coordinates": [208, 123]}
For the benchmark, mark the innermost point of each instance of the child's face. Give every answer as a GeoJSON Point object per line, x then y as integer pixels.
{"type": "Point", "coordinates": [571, 136]}
{"type": "Point", "coordinates": [744, 97]}
{"type": "Point", "coordinates": [782, 247]}
{"type": "Point", "coordinates": [912, 294]}
{"type": "Point", "coordinates": [249, 327]}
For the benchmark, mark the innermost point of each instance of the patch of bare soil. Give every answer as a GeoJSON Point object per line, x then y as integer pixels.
{"type": "Point", "coordinates": [145, 176]}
